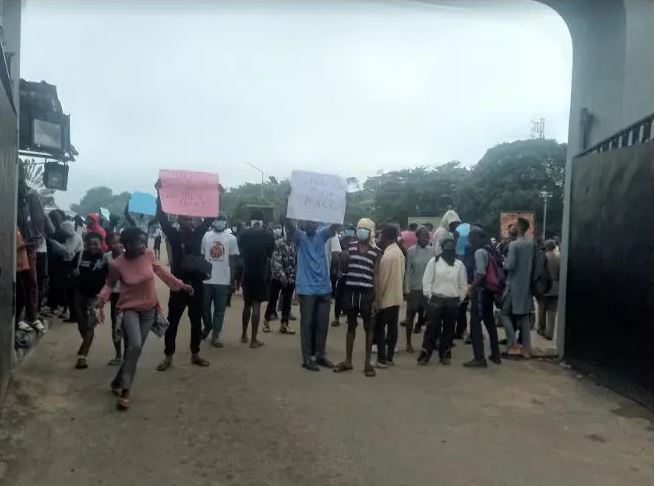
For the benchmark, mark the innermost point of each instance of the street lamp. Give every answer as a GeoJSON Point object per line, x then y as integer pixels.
{"type": "Point", "coordinates": [545, 196]}
{"type": "Point", "coordinates": [262, 174]}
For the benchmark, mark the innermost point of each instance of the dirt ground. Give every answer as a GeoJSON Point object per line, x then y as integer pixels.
{"type": "Point", "coordinates": [254, 417]}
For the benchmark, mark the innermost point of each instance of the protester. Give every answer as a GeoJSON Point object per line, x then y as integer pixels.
{"type": "Point", "coordinates": [115, 250]}
{"type": "Point", "coordinates": [408, 237]}
{"type": "Point", "coordinates": [418, 257]}
{"type": "Point", "coordinates": [41, 273]}
{"type": "Point", "coordinates": [389, 296]}
{"type": "Point", "coordinates": [220, 248]}
{"type": "Point", "coordinates": [188, 265]}
{"type": "Point", "coordinates": [88, 280]}
{"type": "Point", "coordinates": [56, 296]}
{"type": "Point", "coordinates": [349, 235]}
{"type": "Point", "coordinates": [70, 252]}
{"type": "Point", "coordinates": [445, 285]}
{"type": "Point", "coordinates": [283, 280]}
{"type": "Point", "coordinates": [138, 304]}
{"type": "Point", "coordinates": [547, 305]}
{"type": "Point", "coordinates": [361, 262]}
{"type": "Point", "coordinates": [518, 301]}
{"type": "Point", "coordinates": [449, 222]}
{"type": "Point", "coordinates": [22, 277]}
{"type": "Point", "coordinates": [256, 245]}
{"type": "Point", "coordinates": [34, 227]}
{"type": "Point", "coordinates": [487, 283]}
{"type": "Point", "coordinates": [157, 241]}
{"type": "Point", "coordinates": [93, 226]}
{"type": "Point", "coordinates": [466, 254]}
{"type": "Point", "coordinates": [314, 291]}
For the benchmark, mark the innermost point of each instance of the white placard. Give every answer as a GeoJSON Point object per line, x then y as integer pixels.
{"type": "Point", "coordinates": [317, 197]}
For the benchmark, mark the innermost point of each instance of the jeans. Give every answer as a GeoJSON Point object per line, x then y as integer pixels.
{"type": "Point", "coordinates": [286, 292]}
{"type": "Point", "coordinates": [547, 308]}
{"type": "Point", "coordinates": [177, 302]}
{"type": "Point", "coordinates": [482, 310]}
{"type": "Point", "coordinates": [136, 326]}
{"type": "Point", "coordinates": [442, 315]}
{"type": "Point", "coordinates": [461, 320]}
{"type": "Point", "coordinates": [522, 321]}
{"type": "Point", "coordinates": [114, 314]}
{"type": "Point", "coordinates": [314, 323]}
{"type": "Point", "coordinates": [41, 276]}
{"type": "Point", "coordinates": [215, 295]}
{"type": "Point", "coordinates": [386, 332]}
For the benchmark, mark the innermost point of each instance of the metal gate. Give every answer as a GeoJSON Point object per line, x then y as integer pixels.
{"type": "Point", "coordinates": [610, 286]}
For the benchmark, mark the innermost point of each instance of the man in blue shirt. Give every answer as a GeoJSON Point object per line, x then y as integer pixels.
{"type": "Point", "coordinates": [313, 287]}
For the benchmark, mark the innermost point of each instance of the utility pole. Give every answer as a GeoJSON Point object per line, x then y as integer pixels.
{"type": "Point", "coordinates": [261, 171]}
{"type": "Point", "coordinates": [545, 196]}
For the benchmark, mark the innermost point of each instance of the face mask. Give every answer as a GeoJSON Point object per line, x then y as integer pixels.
{"type": "Point", "coordinates": [277, 232]}
{"type": "Point", "coordinates": [219, 225]}
{"type": "Point", "coordinates": [234, 229]}
{"type": "Point", "coordinates": [349, 233]}
{"type": "Point", "coordinates": [363, 234]}
{"type": "Point", "coordinates": [449, 255]}
{"type": "Point", "coordinates": [255, 222]}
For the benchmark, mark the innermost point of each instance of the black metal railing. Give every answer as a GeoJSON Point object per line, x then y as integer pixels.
{"type": "Point", "coordinates": [639, 132]}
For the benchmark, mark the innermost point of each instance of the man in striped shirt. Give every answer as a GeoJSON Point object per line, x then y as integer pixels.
{"type": "Point", "coordinates": [361, 258]}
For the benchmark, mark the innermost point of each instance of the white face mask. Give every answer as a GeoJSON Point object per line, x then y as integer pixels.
{"type": "Point", "coordinates": [255, 222]}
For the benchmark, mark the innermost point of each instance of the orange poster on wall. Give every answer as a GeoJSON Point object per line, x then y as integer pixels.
{"type": "Point", "coordinates": [508, 218]}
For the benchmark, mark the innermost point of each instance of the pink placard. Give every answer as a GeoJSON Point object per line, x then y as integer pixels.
{"type": "Point", "coordinates": [189, 193]}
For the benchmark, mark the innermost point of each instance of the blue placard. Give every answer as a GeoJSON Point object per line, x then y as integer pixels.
{"type": "Point", "coordinates": [143, 203]}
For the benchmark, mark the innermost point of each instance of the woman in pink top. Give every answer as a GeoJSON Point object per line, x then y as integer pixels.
{"type": "Point", "coordinates": [135, 270]}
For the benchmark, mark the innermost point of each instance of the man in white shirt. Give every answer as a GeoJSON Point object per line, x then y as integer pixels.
{"type": "Point", "coordinates": [220, 248]}
{"type": "Point", "coordinates": [445, 285]}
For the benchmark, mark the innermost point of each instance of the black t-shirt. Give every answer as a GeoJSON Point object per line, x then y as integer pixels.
{"type": "Point", "coordinates": [92, 274]}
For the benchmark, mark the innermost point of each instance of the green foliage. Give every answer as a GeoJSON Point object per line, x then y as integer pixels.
{"type": "Point", "coordinates": [510, 176]}
{"type": "Point", "coordinates": [97, 197]}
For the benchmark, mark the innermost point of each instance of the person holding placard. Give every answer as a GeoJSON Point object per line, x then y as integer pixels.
{"type": "Point", "coordinates": [188, 265]}
{"type": "Point", "coordinates": [314, 290]}
{"type": "Point", "coordinates": [256, 244]}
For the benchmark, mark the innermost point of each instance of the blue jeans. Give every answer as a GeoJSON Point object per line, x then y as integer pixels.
{"type": "Point", "coordinates": [215, 295]}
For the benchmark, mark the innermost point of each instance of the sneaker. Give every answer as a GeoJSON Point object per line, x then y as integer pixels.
{"type": "Point", "coordinates": [475, 363]}
{"type": "Point", "coordinates": [390, 362]}
{"type": "Point", "coordinates": [24, 326]}
{"type": "Point", "coordinates": [81, 363]}
{"type": "Point", "coordinates": [381, 365]}
{"type": "Point", "coordinates": [423, 360]}
{"type": "Point", "coordinates": [495, 359]}
{"type": "Point", "coordinates": [291, 317]}
{"type": "Point", "coordinates": [445, 361]}
{"type": "Point", "coordinates": [336, 323]}
{"type": "Point", "coordinates": [324, 362]}
{"type": "Point", "coordinates": [197, 360]}
{"type": "Point", "coordinates": [311, 366]}
{"type": "Point", "coordinates": [217, 344]}
{"type": "Point", "coordinates": [38, 325]}
{"type": "Point", "coordinates": [266, 326]}
{"type": "Point", "coordinates": [205, 333]}
{"type": "Point", "coordinates": [116, 361]}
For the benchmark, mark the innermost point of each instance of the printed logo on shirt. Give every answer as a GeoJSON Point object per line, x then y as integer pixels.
{"type": "Point", "coordinates": [217, 250]}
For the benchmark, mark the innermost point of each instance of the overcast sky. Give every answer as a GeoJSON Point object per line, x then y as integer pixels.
{"type": "Point", "coordinates": [347, 87]}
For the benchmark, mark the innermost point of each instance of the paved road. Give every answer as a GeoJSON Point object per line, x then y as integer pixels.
{"type": "Point", "coordinates": [256, 418]}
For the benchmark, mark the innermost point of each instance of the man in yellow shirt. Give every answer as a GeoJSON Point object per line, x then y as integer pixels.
{"type": "Point", "coordinates": [390, 294]}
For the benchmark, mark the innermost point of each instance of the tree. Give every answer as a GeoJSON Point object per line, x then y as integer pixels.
{"type": "Point", "coordinates": [510, 176]}
{"type": "Point", "coordinates": [98, 197]}
{"type": "Point", "coordinates": [32, 172]}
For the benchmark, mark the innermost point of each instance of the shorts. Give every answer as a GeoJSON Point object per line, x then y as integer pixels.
{"type": "Point", "coordinates": [416, 301]}
{"type": "Point", "coordinates": [358, 302]}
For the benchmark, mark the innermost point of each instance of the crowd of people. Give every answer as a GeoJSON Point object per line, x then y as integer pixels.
{"type": "Point", "coordinates": [367, 270]}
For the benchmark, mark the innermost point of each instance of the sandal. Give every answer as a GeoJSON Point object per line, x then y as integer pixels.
{"type": "Point", "coordinates": [343, 366]}
{"type": "Point", "coordinates": [122, 404]}
{"type": "Point", "coordinates": [369, 371]}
